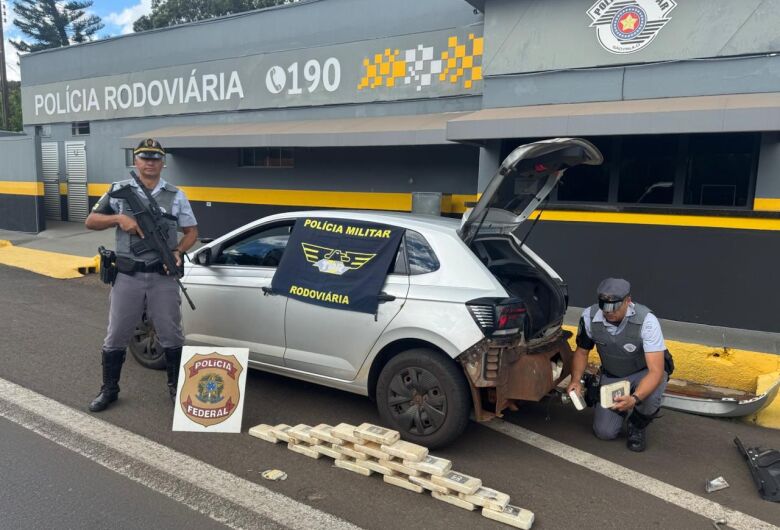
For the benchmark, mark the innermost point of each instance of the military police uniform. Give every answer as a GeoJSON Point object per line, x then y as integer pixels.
{"type": "Point", "coordinates": [622, 350]}
{"type": "Point", "coordinates": [142, 284]}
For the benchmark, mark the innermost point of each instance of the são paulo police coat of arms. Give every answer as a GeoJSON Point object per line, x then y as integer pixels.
{"type": "Point", "coordinates": [211, 390]}
{"type": "Point", "coordinates": [627, 26]}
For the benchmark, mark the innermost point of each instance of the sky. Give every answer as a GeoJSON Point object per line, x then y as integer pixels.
{"type": "Point", "coordinates": [118, 17]}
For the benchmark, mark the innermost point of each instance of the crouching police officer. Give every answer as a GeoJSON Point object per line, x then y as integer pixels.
{"type": "Point", "coordinates": [142, 282]}
{"type": "Point", "coordinates": [631, 346]}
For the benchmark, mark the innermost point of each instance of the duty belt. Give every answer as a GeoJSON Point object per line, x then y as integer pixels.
{"type": "Point", "coordinates": [129, 266]}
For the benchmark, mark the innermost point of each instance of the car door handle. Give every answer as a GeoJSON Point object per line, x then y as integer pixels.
{"type": "Point", "coordinates": [267, 291]}
{"type": "Point", "coordinates": [384, 297]}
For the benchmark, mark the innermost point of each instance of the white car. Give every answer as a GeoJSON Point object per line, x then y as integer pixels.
{"type": "Point", "coordinates": [469, 318]}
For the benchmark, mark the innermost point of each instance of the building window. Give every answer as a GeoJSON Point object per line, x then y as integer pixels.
{"type": "Point", "coordinates": [79, 128]}
{"type": "Point", "coordinates": [647, 169]}
{"type": "Point", "coordinates": [266, 157]}
{"type": "Point", "coordinates": [589, 183]}
{"type": "Point", "coordinates": [719, 169]}
{"type": "Point", "coordinates": [681, 170]}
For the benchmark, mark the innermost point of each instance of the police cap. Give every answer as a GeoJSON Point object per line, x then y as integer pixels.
{"type": "Point", "coordinates": [149, 148]}
{"type": "Point", "coordinates": [614, 289]}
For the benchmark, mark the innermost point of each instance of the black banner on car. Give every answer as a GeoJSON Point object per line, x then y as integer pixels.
{"type": "Point", "coordinates": [337, 263]}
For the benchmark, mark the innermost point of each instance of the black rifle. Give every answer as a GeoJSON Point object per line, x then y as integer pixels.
{"type": "Point", "coordinates": [155, 230]}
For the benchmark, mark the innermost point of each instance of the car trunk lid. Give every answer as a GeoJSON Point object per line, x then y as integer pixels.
{"type": "Point", "coordinates": [525, 178]}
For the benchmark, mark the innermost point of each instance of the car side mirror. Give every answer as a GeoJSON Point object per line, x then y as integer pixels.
{"type": "Point", "coordinates": [203, 257]}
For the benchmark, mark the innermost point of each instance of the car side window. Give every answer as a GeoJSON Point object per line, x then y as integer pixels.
{"type": "Point", "coordinates": [420, 255]}
{"type": "Point", "coordinates": [263, 248]}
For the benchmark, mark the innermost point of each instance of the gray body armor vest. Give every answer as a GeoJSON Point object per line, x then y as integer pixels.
{"type": "Point", "coordinates": [615, 358]}
{"type": "Point", "coordinates": [124, 240]}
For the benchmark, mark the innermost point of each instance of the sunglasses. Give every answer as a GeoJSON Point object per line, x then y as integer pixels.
{"type": "Point", "coordinates": [609, 306]}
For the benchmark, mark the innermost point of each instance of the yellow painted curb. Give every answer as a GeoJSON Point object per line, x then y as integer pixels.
{"type": "Point", "coordinates": [769, 416]}
{"type": "Point", "coordinates": [744, 370]}
{"type": "Point", "coordinates": [52, 264]}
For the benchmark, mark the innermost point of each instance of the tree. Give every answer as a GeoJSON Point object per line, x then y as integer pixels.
{"type": "Point", "coordinates": [52, 23]}
{"type": "Point", "coordinates": [15, 105]}
{"type": "Point", "coordinates": [172, 12]}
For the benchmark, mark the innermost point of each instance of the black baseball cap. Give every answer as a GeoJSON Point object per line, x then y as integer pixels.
{"type": "Point", "coordinates": [149, 148]}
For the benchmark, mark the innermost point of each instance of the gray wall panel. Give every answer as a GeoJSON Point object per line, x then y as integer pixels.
{"type": "Point", "coordinates": [308, 24]}
{"type": "Point", "coordinates": [734, 75]}
{"type": "Point", "coordinates": [17, 159]}
{"type": "Point", "coordinates": [703, 78]}
{"type": "Point", "coordinates": [536, 35]}
{"type": "Point", "coordinates": [573, 86]}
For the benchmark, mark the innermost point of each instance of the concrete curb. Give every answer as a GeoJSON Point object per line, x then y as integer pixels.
{"type": "Point", "coordinates": [52, 264]}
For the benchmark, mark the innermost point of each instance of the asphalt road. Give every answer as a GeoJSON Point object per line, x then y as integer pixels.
{"type": "Point", "coordinates": [47, 486]}
{"type": "Point", "coordinates": [52, 330]}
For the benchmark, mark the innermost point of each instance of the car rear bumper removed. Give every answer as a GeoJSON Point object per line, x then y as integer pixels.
{"type": "Point", "coordinates": [501, 374]}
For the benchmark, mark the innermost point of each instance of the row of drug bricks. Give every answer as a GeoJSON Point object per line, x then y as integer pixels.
{"type": "Point", "coordinates": [368, 449]}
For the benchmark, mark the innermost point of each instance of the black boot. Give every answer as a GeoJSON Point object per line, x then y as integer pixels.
{"type": "Point", "coordinates": [637, 423]}
{"type": "Point", "coordinates": [112, 368]}
{"type": "Point", "coordinates": [172, 362]}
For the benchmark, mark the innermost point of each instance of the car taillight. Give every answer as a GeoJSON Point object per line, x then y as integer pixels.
{"type": "Point", "coordinates": [510, 319]}
{"type": "Point", "coordinates": [498, 317]}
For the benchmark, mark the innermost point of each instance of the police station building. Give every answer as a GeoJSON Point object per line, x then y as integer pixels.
{"type": "Point", "coordinates": [374, 104]}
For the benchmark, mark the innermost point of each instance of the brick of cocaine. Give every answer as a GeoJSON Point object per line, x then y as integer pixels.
{"type": "Point", "coordinates": [328, 450]}
{"type": "Point", "coordinates": [406, 451]}
{"type": "Point", "coordinates": [398, 467]}
{"type": "Point", "coordinates": [376, 434]}
{"type": "Point", "coordinates": [372, 449]}
{"type": "Point", "coordinates": [452, 499]}
{"type": "Point", "coordinates": [487, 498]}
{"type": "Point", "coordinates": [430, 464]}
{"type": "Point", "coordinates": [349, 450]}
{"type": "Point", "coordinates": [324, 433]}
{"type": "Point", "coordinates": [402, 483]}
{"type": "Point", "coordinates": [458, 482]}
{"type": "Point", "coordinates": [302, 433]}
{"type": "Point", "coordinates": [280, 431]}
{"type": "Point", "coordinates": [511, 515]}
{"type": "Point", "coordinates": [264, 432]}
{"type": "Point", "coordinates": [303, 449]}
{"type": "Point", "coordinates": [351, 465]}
{"type": "Point", "coordinates": [346, 432]}
{"type": "Point", "coordinates": [377, 467]}
{"type": "Point", "coordinates": [425, 482]}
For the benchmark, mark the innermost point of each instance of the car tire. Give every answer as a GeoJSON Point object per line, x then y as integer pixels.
{"type": "Point", "coordinates": [145, 347]}
{"type": "Point", "coordinates": [424, 395]}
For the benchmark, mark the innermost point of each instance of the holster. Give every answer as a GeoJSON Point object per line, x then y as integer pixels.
{"type": "Point", "coordinates": [668, 363]}
{"type": "Point", "coordinates": [108, 267]}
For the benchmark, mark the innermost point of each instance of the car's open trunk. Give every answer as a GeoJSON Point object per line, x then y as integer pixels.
{"type": "Point", "coordinates": [523, 278]}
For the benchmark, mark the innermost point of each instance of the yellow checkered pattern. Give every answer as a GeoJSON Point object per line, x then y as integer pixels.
{"type": "Point", "coordinates": [461, 61]}
{"type": "Point", "coordinates": [458, 63]}
{"type": "Point", "coordinates": [384, 70]}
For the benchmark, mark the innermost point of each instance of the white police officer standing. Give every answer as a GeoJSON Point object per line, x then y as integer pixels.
{"type": "Point", "coordinates": [631, 346]}
{"type": "Point", "coordinates": [142, 282]}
